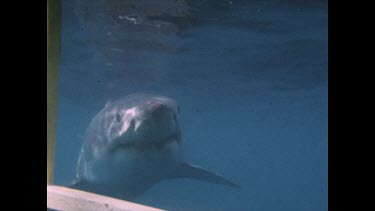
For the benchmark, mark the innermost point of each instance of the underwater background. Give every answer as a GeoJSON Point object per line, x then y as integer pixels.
{"type": "Point", "coordinates": [251, 78]}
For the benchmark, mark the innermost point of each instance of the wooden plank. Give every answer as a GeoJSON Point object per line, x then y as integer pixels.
{"type": "Point", "coordinates": [53, 61]}
{"type": "Point", "coordinates": [62, 198]}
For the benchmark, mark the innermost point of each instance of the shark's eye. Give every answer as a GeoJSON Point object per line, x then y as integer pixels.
{"type": "Point", "coordinates": [118, 118]}
{"type": "Point", "coordinates": [175, 117]}
{"type": "Point", "coordinates": [178, 109]}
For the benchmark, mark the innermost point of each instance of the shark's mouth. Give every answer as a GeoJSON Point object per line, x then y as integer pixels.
{"type": "Point", "coordinates": [146, 145]}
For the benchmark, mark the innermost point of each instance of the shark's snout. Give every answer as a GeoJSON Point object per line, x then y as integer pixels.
{"type": "Point", "coordinates": [158, 109]}
{"type": "Point", "coordinates": [157, 121]}
{"type": "Point", "coordinates": [158, 113]}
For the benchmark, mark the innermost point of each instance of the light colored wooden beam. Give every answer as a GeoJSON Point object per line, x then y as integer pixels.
{"type": "Point", "coordinates": [53, 61]}
{"type": "Point", "coordinates": [62, 198]}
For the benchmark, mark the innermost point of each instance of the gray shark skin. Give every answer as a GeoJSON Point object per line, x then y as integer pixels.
{"type": "Point", "coordinates": [132, 144]}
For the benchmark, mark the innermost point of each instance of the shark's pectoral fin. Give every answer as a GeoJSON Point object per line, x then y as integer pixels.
{"type": "Point", "coordinates": [195, 172]}
{"type": "Point", "coordinates": [85, 185]}
{"type": "Point", "coordinates": [80, 185]}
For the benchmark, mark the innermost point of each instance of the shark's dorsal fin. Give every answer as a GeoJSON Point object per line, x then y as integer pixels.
{"type": "Point", "coordinates": [194, 172]}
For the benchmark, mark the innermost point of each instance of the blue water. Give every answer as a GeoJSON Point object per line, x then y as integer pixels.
{"type": "Point", "coordinates": [251, 80]}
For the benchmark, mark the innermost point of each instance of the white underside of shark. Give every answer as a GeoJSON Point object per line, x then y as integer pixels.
{"type": "Point", "coordinates": [132, 144]}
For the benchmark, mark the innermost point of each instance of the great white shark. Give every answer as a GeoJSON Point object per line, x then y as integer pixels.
{"type": "Point", "coordinates": [132, 144]}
